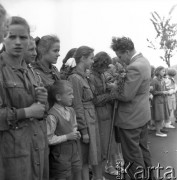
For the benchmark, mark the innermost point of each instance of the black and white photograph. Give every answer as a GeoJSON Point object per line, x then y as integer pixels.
{"type": "Point", "coordinates": [88, 89]}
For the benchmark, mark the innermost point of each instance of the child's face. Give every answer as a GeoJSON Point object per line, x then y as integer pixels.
{"type": "Point", "coordinates": [66, 98]}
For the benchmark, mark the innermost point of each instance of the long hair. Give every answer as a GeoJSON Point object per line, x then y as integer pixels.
{"type": "Point", "coordinates": [45, 43]}
{"type": "Point", "coordinates": [69, 54]}
{"type": "Point", "coordinates": [101, 60]}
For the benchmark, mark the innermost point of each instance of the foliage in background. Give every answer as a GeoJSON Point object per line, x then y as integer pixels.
{"type": "Point", "coordinates": [166, 35]}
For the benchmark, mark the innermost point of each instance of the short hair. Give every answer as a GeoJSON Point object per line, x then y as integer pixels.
{"type": "Point", "coordinates": [82, 51]}
{"type": "Point", "coordinates": [45, 43]}
{"type": "Point", "coordinates": [69, 54]}
{"type": "Point", "coordinates": [171, 72]}
{"type": "Point", "coordinates": [101, 60]}
{"type": "Point", "coordinates": [58, 87]}
{"type": "Point", "coordinates": [122, 44]}
{"type": "Point", "coordinates": [17, 20]}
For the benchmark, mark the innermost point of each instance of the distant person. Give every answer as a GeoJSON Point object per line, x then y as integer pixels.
{"type": "Point", "coordinates": [63, 135]}
{"type": "Point", "coordinates": [160, 108]}
{"type": "Point", "coordinates": [171, 87]}
{"type": "Point", "coordinates": [133, 108]}
{"type": "Point", "coordinates": [151, 125]}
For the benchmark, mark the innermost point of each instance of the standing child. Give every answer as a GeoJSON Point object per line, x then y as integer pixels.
{"type": "Point", "coordinates": [86, 114]}
{"type": "Point", "coordinates": [62, 134]}
{"type": "Point", "coordinates": [160, 101]}
{"type": "Point", "coordinates": [170, 85]}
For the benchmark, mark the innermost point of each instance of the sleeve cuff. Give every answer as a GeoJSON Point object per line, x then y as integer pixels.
{"type": "Point", "coordinates": [20, 114]}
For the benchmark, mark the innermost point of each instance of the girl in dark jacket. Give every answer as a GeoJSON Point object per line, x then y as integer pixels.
{"type": "Point", "coordinates": [23, 137]}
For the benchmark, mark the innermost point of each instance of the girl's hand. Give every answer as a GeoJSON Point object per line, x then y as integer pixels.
{"type": "Point", "coordinates": [41, 94]}
{"type": "Point", "coordinates": [86, 138]}
{"type": "Point", "coordinates": [36, 110]}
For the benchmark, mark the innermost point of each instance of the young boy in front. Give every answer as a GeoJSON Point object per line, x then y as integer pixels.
{"type": "Point", "coordinates": [64, 160]}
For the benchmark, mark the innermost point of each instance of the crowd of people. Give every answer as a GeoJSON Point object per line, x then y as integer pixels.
{"type": "Point", "coordinates": [163, 100]}
{"type": "Point", "coordinates": [90, 116]}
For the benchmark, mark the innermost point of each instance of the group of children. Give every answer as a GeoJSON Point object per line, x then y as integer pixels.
{"type": "Point", "coordinates": [163, 100]}
{"type": "Point", "coordinates": [74, 105]}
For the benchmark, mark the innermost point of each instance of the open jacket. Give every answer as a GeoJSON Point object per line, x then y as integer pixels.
{"type": "Point", "coordinates": [134, 107]}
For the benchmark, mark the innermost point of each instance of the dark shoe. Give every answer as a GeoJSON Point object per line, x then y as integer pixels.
{"type": "Point", "coordinates": [164, 130]}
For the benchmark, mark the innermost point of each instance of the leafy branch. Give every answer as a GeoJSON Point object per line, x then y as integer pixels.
{"type": "Point", "coordinates": [166, 32]}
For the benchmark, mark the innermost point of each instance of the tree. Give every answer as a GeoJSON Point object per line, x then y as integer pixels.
{"type": "Point", "coordinates": [165, 38]}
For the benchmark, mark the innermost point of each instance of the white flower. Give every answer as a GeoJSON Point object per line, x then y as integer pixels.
{"type": "Point", "coordinates": [71, 62]}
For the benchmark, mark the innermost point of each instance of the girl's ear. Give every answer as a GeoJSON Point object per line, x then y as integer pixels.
{"type": "Point", "coordinates": [58, 97]}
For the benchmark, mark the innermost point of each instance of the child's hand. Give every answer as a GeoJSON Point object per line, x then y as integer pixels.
{"type": "Point", "coordinates": [85, 138]}
{"type": "Point", "coordinates": [72, 136]}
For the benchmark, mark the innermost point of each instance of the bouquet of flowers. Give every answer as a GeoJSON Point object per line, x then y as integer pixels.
{"type": "Point", "coordinates": [116, 83]}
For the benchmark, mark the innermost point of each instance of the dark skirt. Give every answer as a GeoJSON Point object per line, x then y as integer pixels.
{"type": "Point", "coordinates": [160, 108]}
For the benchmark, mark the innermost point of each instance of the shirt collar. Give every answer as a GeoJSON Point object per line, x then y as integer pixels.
{"type": "Point", "coordinates": [134, 55]}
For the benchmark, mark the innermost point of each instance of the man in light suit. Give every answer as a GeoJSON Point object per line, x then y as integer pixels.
{"type": "Point", "coordinates": [133, 111]}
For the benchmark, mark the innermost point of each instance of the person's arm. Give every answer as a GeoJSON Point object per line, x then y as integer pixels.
{"type": "Point", "coordinates": [51, 127]}
{"type": "Point", "coordinates": [155, 90]}
{"type": "Point", "coordinates": [78, 106]}
{"type": "Point", "coordinates": [102, 99]}
{"type": "Point", "coordinates": [8, 115]}
{"type": "Point", "coordinates": [99, 99]}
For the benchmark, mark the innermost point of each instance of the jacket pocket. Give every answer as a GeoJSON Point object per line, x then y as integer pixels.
{"type": "Point", "coordinates": [16, 143]}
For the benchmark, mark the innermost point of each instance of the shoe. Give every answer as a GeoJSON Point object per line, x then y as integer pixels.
{"type": "Point", "coordinates": [170, 126]}
{"type": "Point", "coordinates": [164, 130]}
{"type": "Point", "coordinates": [161, 135]}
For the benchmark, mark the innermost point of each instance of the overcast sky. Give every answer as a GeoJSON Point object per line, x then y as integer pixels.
{"type": "Point", "coordinates": [93, 22]}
